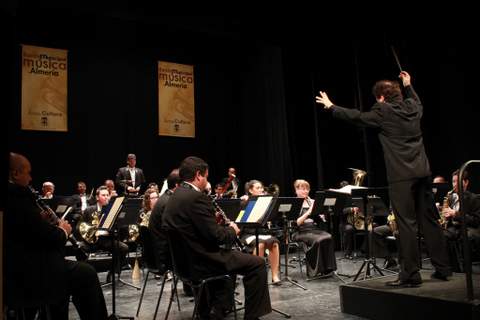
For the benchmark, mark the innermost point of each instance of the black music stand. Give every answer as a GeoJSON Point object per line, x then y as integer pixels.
{"type": "Point", "coordinates": [287, 209]}
{"type": "Point", "coordinates": [109, 223]}
{"type": "Point", "coordinates": [333, 202]}
{"type": "Point", "coordinates": [369, 261]}
{"type": "Point", "coordinates": [256, 215]}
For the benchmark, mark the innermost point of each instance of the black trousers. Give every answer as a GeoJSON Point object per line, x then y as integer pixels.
{"type": "Point", "coordinates": [414, 208]}
{"type": "Point", "coordinates": [255, 282]}
{"type": "Point", "coordinates": [380, 244]}
{"type": "Point", "coordinates": [87, 296]}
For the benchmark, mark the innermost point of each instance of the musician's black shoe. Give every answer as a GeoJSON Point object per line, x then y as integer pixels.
{"type": "Point", "coordinates": [409, 283]}
{"type": "Point", "coordinates": [389, 263]}
{"type": "Point", "coordinates": [440, 276]}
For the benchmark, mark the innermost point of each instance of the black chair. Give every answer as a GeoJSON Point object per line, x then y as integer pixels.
{"type": "Point", "coordinates": [183, 264]}
{"type": "Point", "coordinates": [149, 259]}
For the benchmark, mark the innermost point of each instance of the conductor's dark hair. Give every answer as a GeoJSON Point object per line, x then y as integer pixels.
{"type": "Point", "coordinates": [190, 166]}
{"type": "Point", "coordinates": [389, 89]}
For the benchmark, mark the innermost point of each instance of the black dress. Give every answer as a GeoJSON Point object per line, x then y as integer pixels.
{"type": "Point", "coordinates": [320, 251]}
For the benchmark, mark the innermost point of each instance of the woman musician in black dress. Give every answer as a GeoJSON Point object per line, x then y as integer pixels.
{"type": "Point", "coordinates": [266, 242]}
{"type": "Point", "coordinates": [320, 251]}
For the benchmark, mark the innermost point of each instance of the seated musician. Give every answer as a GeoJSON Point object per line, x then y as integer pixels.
{"type": "Point", "coordinates": [266, 242]}
{"type": "Point", "coordinates": [36, 272]}
{"type": "Point", "coordinates": [101, 241]}
{"type": "Point", "coordinates": [452, 218]}
{"type": "Point", "coordinates": [320, 253]}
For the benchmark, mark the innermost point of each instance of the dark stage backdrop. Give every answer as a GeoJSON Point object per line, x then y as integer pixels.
{"type": "Point", "coordinates": [254, 100]}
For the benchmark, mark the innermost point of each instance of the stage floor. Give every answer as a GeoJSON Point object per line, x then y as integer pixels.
{"type": "Point", "coordinates": [320, 300]}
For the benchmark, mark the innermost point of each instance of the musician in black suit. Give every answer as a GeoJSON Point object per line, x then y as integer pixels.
{"type": "Point", "coordinates": [130, 178]}
{"type": "Point", "coordinates": [36, 272]}
{"type": "Point", "coordinates": [453, 219]}
{"type": "Point", "coordinates": [230, 184]}
{"type": "Point", "coordinates": [191, 215]}
{"type": "Point", "coordinates": [408, 172]}
{"type": "Point", "coordinates": [103, 242]}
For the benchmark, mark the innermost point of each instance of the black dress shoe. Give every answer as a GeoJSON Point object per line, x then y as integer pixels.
{"type": "Point", "coordinates": [389, 263]}
{"type": "Point", "coordinates": [440, 276]}
{"type": "Point", "coordinates": [409, 283]}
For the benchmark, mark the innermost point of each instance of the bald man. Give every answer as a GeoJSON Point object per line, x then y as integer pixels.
{"type": "Point", "coordinates": [36, 272]}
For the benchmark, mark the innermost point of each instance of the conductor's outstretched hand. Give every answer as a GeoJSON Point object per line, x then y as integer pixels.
{"type": "Point", "coordinates": [323, 99]}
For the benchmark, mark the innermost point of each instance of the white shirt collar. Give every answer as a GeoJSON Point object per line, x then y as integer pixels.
{"type": "Point", "coordinates": [194, 186]}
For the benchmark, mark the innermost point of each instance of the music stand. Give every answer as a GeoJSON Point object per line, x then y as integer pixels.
{"type": "Point", "coordinates": [334, 202]}
{"type": "Point", "coordinates": [287, 208]}
{"type": "Point", "coordinates": [256, 215]}
{"type": "Point", "coordinates": [108, 223]}
{"type": "Point", "coordinates": [368, 194]}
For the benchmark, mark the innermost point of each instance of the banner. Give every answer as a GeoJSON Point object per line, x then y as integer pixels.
{"type": "Point", "coordinates": [176, 103]}
{"type": "Point", "coordinates": [44, 89]}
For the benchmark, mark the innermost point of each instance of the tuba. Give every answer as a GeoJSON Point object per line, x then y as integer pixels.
{"type": "Point", "coordinates": [357, 219]}
{"type": "Point", "coordinates": [358, 176]}
{"type": "Point", "coordinates": [88, 231]}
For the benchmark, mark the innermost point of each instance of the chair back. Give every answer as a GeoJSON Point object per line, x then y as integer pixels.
{"type": "Point", "coordinates": [181, 256]}
{"type": "Point", "coordinates": [148, 253]}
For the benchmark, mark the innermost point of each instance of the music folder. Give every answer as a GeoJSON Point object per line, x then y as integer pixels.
{"type": "Point", "coordinates": [110, 217]}
{"type": "Point", "coordinates": [256, 211]}
{"type": "Point", "coordinates": [231, 207]}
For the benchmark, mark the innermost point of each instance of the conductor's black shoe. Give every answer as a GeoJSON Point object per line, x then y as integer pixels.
{"type": "Point", "coordinates": [440, 276]}
{"type": "Point", "coordinates": [409, 283]}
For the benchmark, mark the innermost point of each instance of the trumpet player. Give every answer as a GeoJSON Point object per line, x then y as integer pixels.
{"type": "Point", "coordinates": [36, 271]}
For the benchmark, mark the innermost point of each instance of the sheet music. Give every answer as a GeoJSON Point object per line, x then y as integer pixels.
{"type": "Point", "coordinates": [255, 210]}
{"type": "Point", "coordinates": [347, 189]}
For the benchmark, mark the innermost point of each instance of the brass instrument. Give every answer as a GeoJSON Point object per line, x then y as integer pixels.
{"type": "Point", "coordinates": [88, 231]}
{"type": "Point", "coordinates": [392, 223]}
{"type": "Point", "coordinates": [145, 218]}
{"type": "Point", "coordinates": [358, 176]}
{"type": "Point", "coordinates": [443, 222]}
{"type": "Point", "coordinates": [357, 219]}
{"type": "Point", "coordinates": [133, 232]}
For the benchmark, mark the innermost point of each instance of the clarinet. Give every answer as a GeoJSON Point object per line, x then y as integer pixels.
{"type": "Point", "coordinates": [221, 214]}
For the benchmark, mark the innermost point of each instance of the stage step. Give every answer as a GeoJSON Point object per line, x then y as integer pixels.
{"type": "Point", "coordinates": [372, 299]}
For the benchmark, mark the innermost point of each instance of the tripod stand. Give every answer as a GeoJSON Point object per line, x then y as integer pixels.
{"type": "Point", "coordinates": [114, 316]}
{"type": "Point", "coordinates": [369, 262]}
{"type": "Point", "coordinates": [286, 235]}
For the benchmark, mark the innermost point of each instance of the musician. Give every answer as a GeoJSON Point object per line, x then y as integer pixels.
{"type": "Point", "coordinates": [48, 188]}
{"type": "Point", "coordinates": [103, 242]}
{"type": "Point", "coordinates": [219, 190]}
{"type": "Point", "coordinates": [191, 214]}
{"type": "Point", "coordinates": [130, 178]}
{"type": "Point", "coordinates": [266, 241]}
{"type": "Point", "coordinates": [149, 199]}
{"type": "Point", "coordinates": [453, 217]}
{"type": "Point", "coordinates": [111, 188]}
{"type": "Point", "coordinates": [81, 200]}
{"type": "Point", "coordinates": [231, 184]}
{"type": "Point", "coordinates": [320, 253]}
{"type": "Point", "coordinates": [155, 224]}
{"type": "Point", "coordinates": [36, 271]}
{"type": "Point", "coordinates": [408, 173]}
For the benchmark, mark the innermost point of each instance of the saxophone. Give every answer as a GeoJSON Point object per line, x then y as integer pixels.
{"type": "Point", "coordinates": [443, 222]}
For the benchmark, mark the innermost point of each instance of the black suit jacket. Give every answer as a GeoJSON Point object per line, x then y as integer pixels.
{"type": "Point", "coordinates": [191, 214]}
{"type": "Point", "coordinates": [124, 174]}
{"type": "Point", "coordinates": [399, 133]}
{"type": "Point", "coordinates": [472, 209]}
{"type": "Point", "coordinates": [35, 269]}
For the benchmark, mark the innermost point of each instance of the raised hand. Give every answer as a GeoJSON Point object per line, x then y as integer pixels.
{"type": "Point", "coordinates": [323, 99]}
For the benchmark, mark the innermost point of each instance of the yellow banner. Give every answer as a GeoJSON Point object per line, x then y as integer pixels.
{"type": "Point", "coordinates": [176, 103]}
{"type": "Point", "coordinates": [44, 89]}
